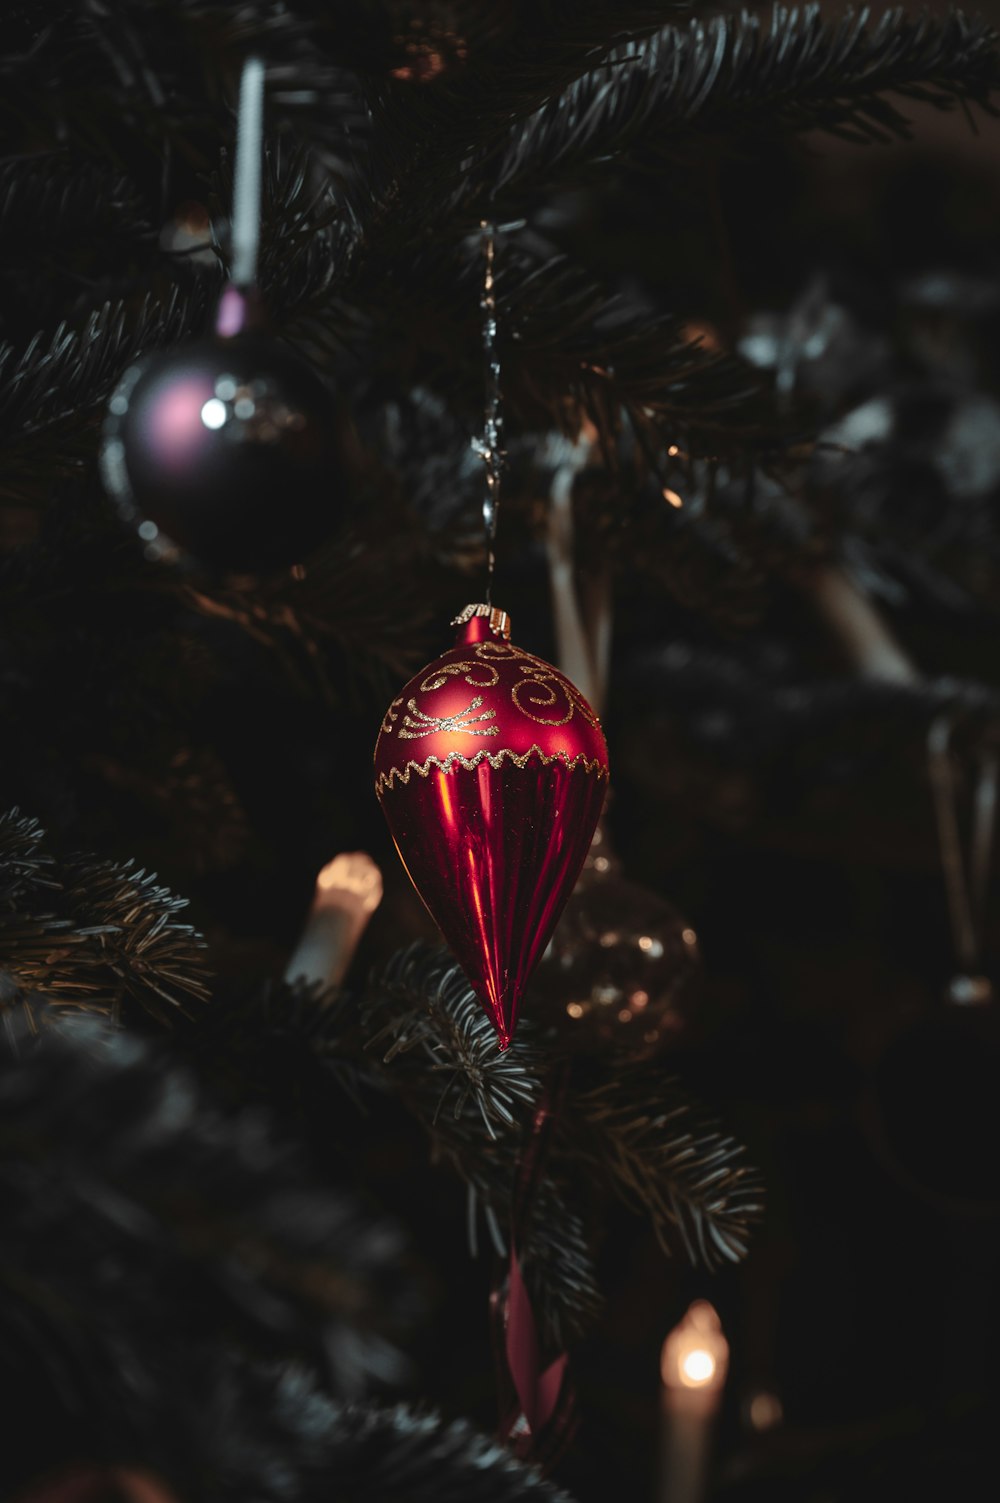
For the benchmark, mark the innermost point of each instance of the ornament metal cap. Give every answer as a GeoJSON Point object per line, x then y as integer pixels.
{"type": "Point", "coordinates": [240, 311]}
{"type": "Point", "coordinates": [497, 620]}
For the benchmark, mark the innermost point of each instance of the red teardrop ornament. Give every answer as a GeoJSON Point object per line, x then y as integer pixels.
{"type": "Point", "coordinates": [491, 769]}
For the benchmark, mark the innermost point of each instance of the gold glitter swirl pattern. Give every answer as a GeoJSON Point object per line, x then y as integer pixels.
{"type": "Point", "coordinates": [439, 677]}
{"type": "Point", "coordinates": [391, 715]}
{"type": "Point", "coordinates": [488, 649]}
{"type": "Point", "coordinates": [417, 723]}
{"type": "Point", "coordinates": [544, 684]}
{"type": "Point", "coordinates": [539, 675]}
{"type": "Point", "coordinates": [387, 780]}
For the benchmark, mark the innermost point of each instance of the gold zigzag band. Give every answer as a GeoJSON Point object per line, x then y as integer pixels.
{"type": "Point", "coordinates": [387, 780]}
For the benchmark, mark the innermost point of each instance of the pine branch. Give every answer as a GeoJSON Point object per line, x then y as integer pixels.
{"type": "Point", "coordinates": [24, 865]}
{"type": "Point", "coordinates": [425, 139]}
{"type": "Point", "coordinates": [438, 474]}
{"type": "Point", "coordinates": [136, 949]}
{"type": "Point", "coordinates": [142, 1228]}
{"type": "Point", "coordinates": [568, 344]}
{"type": "Point", "coordinates": [352, 626]}
{"type": "Point", "coordinates": [640, 1136]}
{"type": "Point", "coordinates": [442, 1062]}
{"type": "Point", "coordinates": [268, 1433]}
{"type": "Point", "coordinates": [278, 1044]}
{"type": "Point", "coordinates": [99, 938]}
{"type": "Point", "coordinates": [401, 1457]}
{"type": "Point", "coordinates": [454, 1041]}
{"type": "Point", "coordinates": [240, 1430]}
{"type": "Point", "coordinates": [51, 206]}
{"type": "Point", "coordinates": [748, 74]}
{"type": "Point", "coordinates": [118, 83]}
{"type": "Point", "coordinates": [27, 938]}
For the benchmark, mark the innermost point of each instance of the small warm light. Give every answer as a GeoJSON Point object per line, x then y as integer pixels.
{"type": "Point", "coordinates": [696, 1354]}
{"type": "Point", "coordinates": [697, 1367]}
{"type": "Point", "coordinates": [673, 451]}
{"type": "Point", "coordinates": [188, 233]}
{"type": "Point", "coordinates": [574, 1009]}
{"type": "Point", "coordinates": [766, 1411]}
{"type": "Point", "coordinates": [689, 937]}
{"type": "Point", "coordinates": [645, 943]}
{"type": "Point", "coordinates": [355, 873]}
{"type": "Point", "coordinates": [601, 864]}
{"type": "Point", "coordinates": [625, 1016]}
{"type": "Point", "coordinates": [428, 52]}
{"type": "Point", "coordinates": [703, 335]}
{"type": "Point", "coordinates": [213, 414]}
{"type": "Point", "coordinates": [672, 497]}
{"type": "Point", "coordinates": [639, 1001]}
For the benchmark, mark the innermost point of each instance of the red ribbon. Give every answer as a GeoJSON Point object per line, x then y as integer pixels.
{"type": "Point", "coordinates": [538, 1417]}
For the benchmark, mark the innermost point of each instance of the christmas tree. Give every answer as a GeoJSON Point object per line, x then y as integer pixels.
{"type": "Point", "coordinates": [666, 332]}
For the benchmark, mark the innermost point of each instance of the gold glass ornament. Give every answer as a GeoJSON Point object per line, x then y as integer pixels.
{"type": "Point", "coordinates": [622, 968]}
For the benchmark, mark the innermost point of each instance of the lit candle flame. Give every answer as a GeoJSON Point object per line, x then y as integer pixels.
{"type": "Point", "coordinates": [696, 1353]}
{"type": "Point", "coordinates": [348, 890]}
{"type": "Point", "coordinates": [354, 873]}
{"type": "Point", "coordinates": [697, 1368]}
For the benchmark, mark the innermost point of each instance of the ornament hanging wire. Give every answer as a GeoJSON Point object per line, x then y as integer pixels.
{"type": "Point", "coordinates": [489, 446]}
{"type": "Point", "coordinates": [246, 179]}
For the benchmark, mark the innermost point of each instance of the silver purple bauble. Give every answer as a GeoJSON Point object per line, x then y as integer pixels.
{"type": "Point", "coordinates": [621, 972]}
{"type": "Point", "coordinates": [227, 451]}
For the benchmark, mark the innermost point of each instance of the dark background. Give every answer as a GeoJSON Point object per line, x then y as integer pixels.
{"type": "Point", "coordinates": [803, 851]}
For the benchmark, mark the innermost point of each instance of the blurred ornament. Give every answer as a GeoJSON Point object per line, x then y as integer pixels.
{"type": "Point", "coordinates": [228, 449]}
{"type": "Point", "coordinates": [621, 961]}
{"type": "Point", "coordinates": [816, 346]}
{"type": "Point", "coordinates": [968, 455]}
{"type": "Point", "coordinates": [491, 769]}
{"type": "Point", "coordinates": [931, 1107]}
{"type": "Point", "coordinates": [949, 325]}
{"type": "Point", "coordinates": [621, 970]}
{"type": "Point", "coordinates": [348, 891]}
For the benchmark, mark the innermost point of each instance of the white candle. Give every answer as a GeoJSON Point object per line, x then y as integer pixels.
{"type": "Point", "coordinates": [348, 890]}
{"type": "Point", "coordinates": [693, 1366]}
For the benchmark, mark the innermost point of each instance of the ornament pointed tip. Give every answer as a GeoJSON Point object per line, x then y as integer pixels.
{"type": "Point", "coordinates": [503, 1042]}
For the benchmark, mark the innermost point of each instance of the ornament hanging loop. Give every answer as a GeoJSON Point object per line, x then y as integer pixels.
{"type": "Point", "coordinates": [239, 306]}
{"type": "Point", "coordinates": [489, 446]}
{"type": "Point", "coordinates": [246, 183]}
